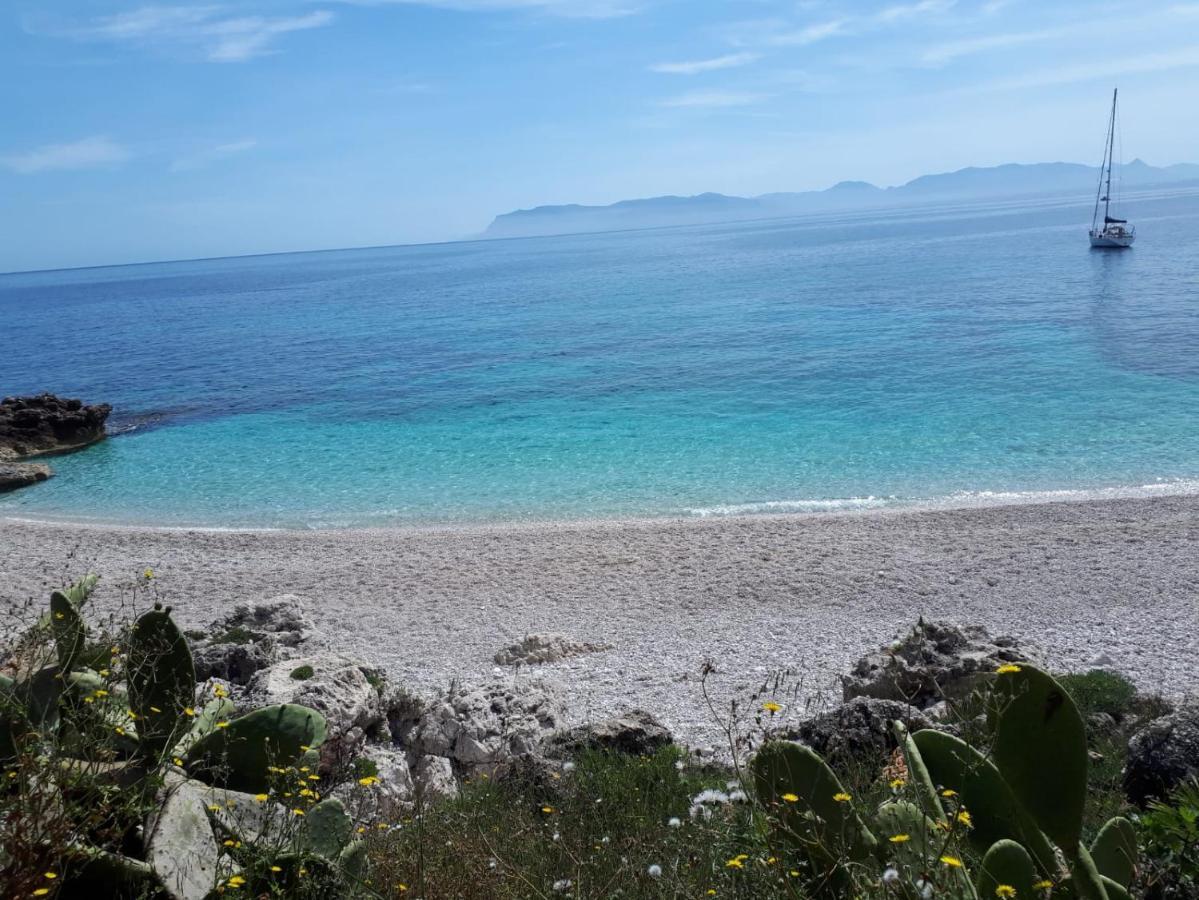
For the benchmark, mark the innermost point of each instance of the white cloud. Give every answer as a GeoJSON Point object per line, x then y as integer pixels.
{"type": "Point", "coordinates": [575, 9]}
{"type": "Point", "coordinates": [220, 35]}
{"type": "Point", "coordinates": [811, 34]}
{"type": "Point", "coordinates": [717, 99]}
{"type": "Point", "coordinates": [705, 65]}
{"type": "Point", "coordinates": [848, 25]}
{"type": "Point", "coordinates": [212, 154]}
{"type": "Point", "coordinates": [1179, 58]}
{"type": "Point", "coordinates": [87, 153]}
{"type": "Point", "coordinates": [969, 46]}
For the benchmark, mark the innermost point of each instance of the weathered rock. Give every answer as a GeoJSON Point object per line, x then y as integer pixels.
{"type": "Point", "coordinates": [338, 688]}
{"type": "Point", "coordinates": [861, 727]}
{"type": "Point", "coordinates": [635, 732]}
{"type": "Point", "coordinates": [48, 424]}
{"type": "Point", "coordinates": [235, 663]}
{"type": "Point", "coordinates": [280, 622]}
{"type": "Point", "coordinates": [386, 800]}
{"type": "Point", "coordinates": [934, 661]}
{"type": "Point", "coordinates": [545, 648]}
{"type": "Point", "coordinates": [1163, 752]}
{"type": "Point", "coordinates": [482, 726]}
{"type": "Point", "coordinates": [15, 475]}
{"type": "Point", "coordinates": [434, 779]}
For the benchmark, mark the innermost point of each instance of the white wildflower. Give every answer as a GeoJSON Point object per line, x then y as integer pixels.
{"type": "Point", "coordinates": [890, 875]}
{"type": "Point", "coordinates": [568, 766]}
{"type": "Point", "coordinates": [654, 871]}
{"type": "Point", "coordinates": [925, 888]}
{"type": "Point", "coordinates": [674, 822]}
{"type": "Point", "coordinates": [711, 795]}
{"type": "Point", "coordinates": [562, 884]}
{"type": "Point", "coordinates": [679, 764]}
{"type": "Point", "coordinates": [605, 840]}
{"type": "Point", "coordinates": [737, 796]}
{"type": "Point", "coordinates": [557, 836]}
{"type": "Point", "coordinates": [492, 863]}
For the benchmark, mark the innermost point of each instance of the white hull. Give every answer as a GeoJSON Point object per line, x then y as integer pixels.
{"type": "Point", "coordinates": [1112, 241]}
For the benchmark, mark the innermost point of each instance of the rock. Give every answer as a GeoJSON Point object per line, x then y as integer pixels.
{"type": "Point", "coordinates": [15, 475]}
{"type": "Point", "coordinates": [636, 732]}
{"type": "Point", "coordinates": [545, 648]}
{"type": "Point", "coordinates": [48, 424]}
{"type": "Point", "coordinates": [482, 726]}
{"type": "Point", "coordinates": [280, 621]}
{"type": "Point", "coordinates": [934, 661]}
{"type": "Point", "coordinates": [1163, 752]}
{"type": "Point", "coordinates": [861, 727]}
{"type": "Point", "coordinates": [434, 778]}
{"type": "Point", "coordinates": [339, 689]}
{"type": "Point", "coordinates": [235, 663]}
{"type": "Point", "coordinates": [390, 798]}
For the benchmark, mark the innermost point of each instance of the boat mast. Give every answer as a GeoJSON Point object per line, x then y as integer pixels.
{"type": "Point", "coordinates": [1104, 193]}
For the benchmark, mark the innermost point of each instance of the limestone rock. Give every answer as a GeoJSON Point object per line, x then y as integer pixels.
{"type": "Point", "coordinates": [635, 732]}
{"type": "Point", "coordinates": [339, 689]}
{"type": "Point", "coordinates": [280, 621]}
{"type": "Point", "coordinates": [434, 778]}
{"type": "Point", "coordinates": [858, 728]}
{"type": "Point", "coordinates": [47, 424]}
{"type": "Point", "coordinates": [15, 475]}
{"type": "Point", "coordinates": [934, 661]}
{"type": "Point", "coordinates": [1163, 752]}
{"type": "Point", "coordinates": [545, 648]}
{"type": "Point", "coordinates": [235, 663]}
{"type": "Point", "coordinates": [385, 801]}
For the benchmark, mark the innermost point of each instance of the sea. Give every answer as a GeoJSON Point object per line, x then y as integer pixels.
{"type": "Point", "coordinates": [942, 355]}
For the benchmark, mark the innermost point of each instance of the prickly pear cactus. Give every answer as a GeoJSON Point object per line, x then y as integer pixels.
{"type": "Point", "coordinates": [68, 629]}
{"type": "Point", "coordinates": [162, 679]}
{"type": "Point", "coordinates": [240, 755]}
{"type": "Point", "coordinates": [918, 774]}
{"type": "Point", "coordinates": [1115, 851]}
{"type": "Point", "coordinates": [328, 828]}
{"type": "Point", "coordinates": [1006, 867]}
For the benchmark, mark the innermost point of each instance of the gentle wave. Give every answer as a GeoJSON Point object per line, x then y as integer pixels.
{"type": "Point", "coordinates": [784, 506]}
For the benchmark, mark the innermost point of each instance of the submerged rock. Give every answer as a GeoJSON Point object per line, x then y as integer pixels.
{"type": "Point", "coordinates": [48, 424]}
{"type": "Point", "coordinates": [935, 661]}
{"type": "Point", "coordinates": [15, 475]}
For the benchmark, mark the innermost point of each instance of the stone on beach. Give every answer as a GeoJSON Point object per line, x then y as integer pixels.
{"type": "Point", "coordinates": [15, 475]}
{"type": "Point", "coordinates": [1163, 752]}
{"type": "Point", "coordinates": [545, 648]}
{"type": "Point", "coordinates": [860, 726]}
{"type": "Point", "coordinates": [635, 732]}
{"type": "Point", "coordinates": [48, 424]}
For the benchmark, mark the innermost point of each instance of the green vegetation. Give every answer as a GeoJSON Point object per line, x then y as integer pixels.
{"type": "Point", "coordinates": [1100, 691]}
{"type": "Point", "coordinates": [302, 673]}
{"type": "Point", "coordinates": [1170, 833]}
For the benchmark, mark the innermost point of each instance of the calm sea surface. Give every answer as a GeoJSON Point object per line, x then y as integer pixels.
{"type": "Point", "coordinates": [951, 355]}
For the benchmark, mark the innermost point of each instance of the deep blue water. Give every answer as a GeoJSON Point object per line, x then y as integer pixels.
{"type": "Point", "coordinates": [906, 357]}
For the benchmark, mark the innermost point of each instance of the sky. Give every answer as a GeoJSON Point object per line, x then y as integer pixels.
{"type": "Point", "coordinates": [136, 131]}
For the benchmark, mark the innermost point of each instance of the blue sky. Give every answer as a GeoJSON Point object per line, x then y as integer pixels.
{"type": "Point", "coordinates": [139, 131]}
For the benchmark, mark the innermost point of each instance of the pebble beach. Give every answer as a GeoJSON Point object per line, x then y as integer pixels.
{"type": "Point", "coordinates": [1111, 583]}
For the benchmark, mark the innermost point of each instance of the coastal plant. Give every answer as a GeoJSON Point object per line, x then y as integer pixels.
{"type": "Point", "coordinates": [1169, 832]}
{"type": "Point", "coordinates": [120, 778]}
{"type": "Point", "coordinates": [963, 823]}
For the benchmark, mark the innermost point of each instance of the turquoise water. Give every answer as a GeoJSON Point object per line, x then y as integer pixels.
{"type": "Point", "coordinates": [951, 355]}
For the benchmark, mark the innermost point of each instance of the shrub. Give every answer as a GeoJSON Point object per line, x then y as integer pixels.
{"type": "Point", "coordinates": [1170, 834]}
{"type": "Point", "coordinates": [1100, 691]}
{"type": "Point", "coordinates": [302, 673]}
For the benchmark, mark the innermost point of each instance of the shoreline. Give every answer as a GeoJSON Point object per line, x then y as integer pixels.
{"type": "Point", "coordinates": [1113, 580]}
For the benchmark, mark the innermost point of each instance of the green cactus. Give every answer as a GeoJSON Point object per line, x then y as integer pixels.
{"type": "Point", "coordinates": [161, 677]}
{"type": "Point", "coordinates": [1008, 864]}
{"type": "Point", "coordinates": [782, 770]}
{"type": "Point", "coordinates": [918, 774]}
{"type": "Point", "coordinates": [900, 819]}
{"type": "Point", "coordinates": [98, 873]}
{"type": "Point", "coordinates": [1040, 750]}
{"type": "Point", "coordinates": [353, 860]}
{"type": "Point", "coordinates": [996, 812]}
{"type": "Point", "coordinates": [220, 709]}
{"type": "Point", "coordinates": [78, 593]}
{"type": "Point", "coordinates": [328, 828]}
{"type": "Point", "coordinates": [68, 629]}
{"type": "Point", "coordinates": [240, 755]}
{"type": "Point", "coordinates": [1115, 851]}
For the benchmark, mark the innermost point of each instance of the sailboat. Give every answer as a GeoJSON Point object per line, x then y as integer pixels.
{"type": "Point", "coordinates": [1114, 233]}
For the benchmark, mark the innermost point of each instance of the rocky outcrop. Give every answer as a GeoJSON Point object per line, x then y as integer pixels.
{"type": "Point", "coordinates": [860, 727]}
{"type": "Point", "coordinates": [43, 424]}
{"type": "Point", "coordinates": [48, 424]}
{"type": "Point", "coordinates": [1163, 752]}
{"type": "Point", "coordinates": [15, 475]}
{"type": "Point", "coordinates": [933, 662]}
{"type": "Point", "coordinates": [545, 648]}
{"type": "Point", "coordinates": [636, 732]}
{"type": "Point", "coordinates": [254, 637]}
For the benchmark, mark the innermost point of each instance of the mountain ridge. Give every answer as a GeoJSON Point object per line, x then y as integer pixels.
{"type": "Point", "coordinates": [1008, 179]}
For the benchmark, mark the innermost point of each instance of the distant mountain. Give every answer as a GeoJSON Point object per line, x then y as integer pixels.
{"type": "Point", "coordinates": [1011, 180]}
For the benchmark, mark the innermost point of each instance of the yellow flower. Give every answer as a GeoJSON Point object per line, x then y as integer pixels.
{"type": "Point", "coordinates": [276, 869]}
{"type": "Point", "coordinates": [50, 875]}
{"type": "Point", "coordinates": [103, 673]}
{"type": "Point", "coordinates": [188, 711]}
{"type": "Point", "coordinates": [401, 887]}
{"type": "Point", "coordinates": [965, 819]}
{"type": "Point", "coordinates": [212, 807]}
{"type": "Point", "coordinates": [952, 861]}
{"type": "Point", "coordinates": [314, 778]}
{"type": "Point", "coordinates": [219, 691]}
{"type": "Point", "coordinates": [1043, 885]}
{"type": "Point", "coordinates": [149, 573]}
{"type": "Point", "coordinates": [771, 707]}
{"type": "Point", "coordinates": [897, 783]}
{"type": "Point", "coordinates": [222, 724]}
{"type": "Point", "coordinates": [236, 881]}
{"type": "Point", "coordinates": [899, 838]}
{"type": "Point", "coordinates": [58, 615]}
{"type": "Point", "coordinates": [1007, 669]}
{"type": "Point", "coordinates": [41, 892]}
{"type": "Point", "coordinates": [228, 843]}
{"type": "Point", "coordinates": [547, 809]}
{"type": "Point", "coordinates": [842, 797]}
{"type": "Point", "coordinates": [791, 798]}
{"type": "Point", "coordinates": [734, 863]}
{"type": "Point", "coordinates": [368, 780]}
{"type": "Point", "coordinates": [119, 730]}
{"type": "Point", "coordinates": [100, 692]}
{"type": "Point", "coordinates": [297, 812]}
{"type": "Point", "coordinates": [177, 761]}
{"type": "Point", "coordinates": [711, 892]}
{"type": "Point", "coordinates": [155, 709]}
{"type": "Point", "coordinates": [261, 798]}
{"type": "Point", "coordinates": [949, 792]}
{"type": "Point", "coordinates": [1005, 891]}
